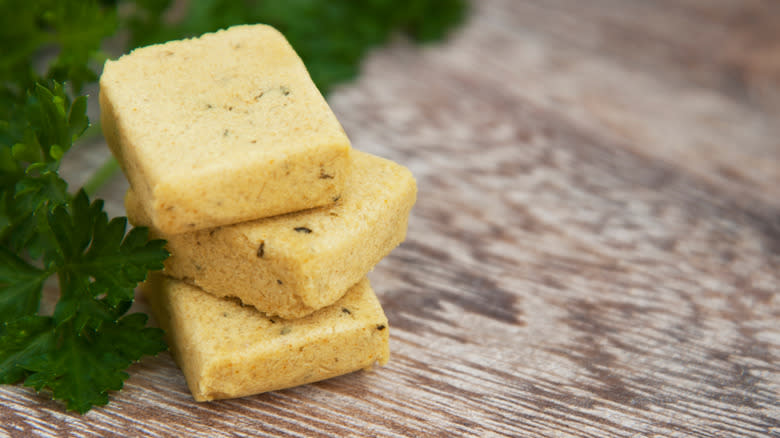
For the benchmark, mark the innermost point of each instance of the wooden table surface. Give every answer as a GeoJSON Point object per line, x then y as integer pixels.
{"type": "Point", "coordinates": [595, 250]}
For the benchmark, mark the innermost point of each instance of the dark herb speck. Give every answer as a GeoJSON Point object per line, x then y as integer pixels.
{"type": "Point", "coordinates": [380, 327]}
{"type": "Point", "coordinates": [324, 175]}
{"type": "Point", "coordinates": [261, 249]}
{"type": "Point", "coordinates": [303, 230]}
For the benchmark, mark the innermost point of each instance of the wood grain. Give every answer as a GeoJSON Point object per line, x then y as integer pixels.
{"type": "Point", "coordinates": [595, 250]}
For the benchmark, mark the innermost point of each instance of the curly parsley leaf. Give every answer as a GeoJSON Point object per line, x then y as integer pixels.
{"type": "Point", "coordinates": [22, 342]}
{"type": "Point", "coordinates": [78, 367]}
{"type": "Point", "coordinates": [30, 152]}
{"type": "Point", "coordinates": [80, 353]}
{"type": "Point", "coordinates": [95, 260]}
{"type": "Point", "coordinates": [76, 371]}
{"type": "Point", "coordinates": [22, 284]}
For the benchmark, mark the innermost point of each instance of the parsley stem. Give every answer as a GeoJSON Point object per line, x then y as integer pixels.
{"type": "Point", "coordinates": [101, 176]}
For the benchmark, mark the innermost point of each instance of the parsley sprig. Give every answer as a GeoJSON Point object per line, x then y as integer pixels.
{"type": "Point", "coordinates": [79, 352]}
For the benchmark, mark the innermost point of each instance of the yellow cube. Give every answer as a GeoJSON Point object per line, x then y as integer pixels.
{"type": "Point", "coordinates": [221, 129]}
{"type": "Point", "coordinates": [228, 350]}
{"type": "Point", "coordinates": [294, 264]}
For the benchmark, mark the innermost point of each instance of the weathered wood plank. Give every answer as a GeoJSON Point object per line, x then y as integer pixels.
{"type": "Point", "coordinates": [595, 250]}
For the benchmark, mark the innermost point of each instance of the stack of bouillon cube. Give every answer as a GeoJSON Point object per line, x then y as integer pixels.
{"type": "Point", "coordinates": [272, 220]}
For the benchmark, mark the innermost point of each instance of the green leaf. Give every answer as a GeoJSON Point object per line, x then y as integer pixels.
{"type": "Point", "coordinates": [24, 341]}
{"type": "Point", "coordinates": [8, 164]}
{"type": "Point", "coordinates": [80, 352]}
{"type": "Point", "coordinates": [77, 117]}
{"type": "Point", "coordinates": [131, 339]}
{"type": "Point", "coordinates": [56, 153]}
{"type": "Point", "coordinates": [77, 372]}
{"type": "Point", "coordinates": [20, 285]}
{"type": "Point", "coordinates": [79, 366]}
{"type": "Point", "coordinates": [48, 119]}
{"type": "Point", "coordinates": [97, 253]}
{"type": "Point", "coordinates": [72, 228]}
{"type": "Point", "coordinates": [25, 208]}
{"type": "Point", "coordinates": [26, 152]}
